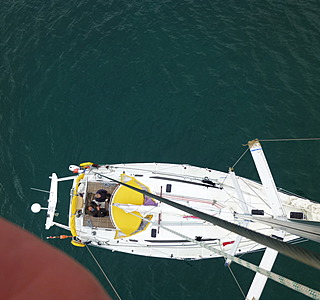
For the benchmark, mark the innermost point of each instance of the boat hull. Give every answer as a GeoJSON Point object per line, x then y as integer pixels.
{"type": "Point", "coordinates": [147, 227]}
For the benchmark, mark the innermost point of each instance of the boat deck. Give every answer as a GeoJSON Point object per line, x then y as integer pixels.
{"type": "Point", "coordinates": [88, 220]}
{"type": "Point", "coordinates": [104, 222]}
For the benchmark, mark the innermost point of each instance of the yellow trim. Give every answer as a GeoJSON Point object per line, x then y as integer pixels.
{"type": "Point", "coordinates": [74, 204]}
{"type": "Point", "coordinates": [86, 164]}
{"type": "Point", "coordinates": [77, 244]}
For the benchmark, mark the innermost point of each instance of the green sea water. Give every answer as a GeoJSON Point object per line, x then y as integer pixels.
{"type": "Point", "coordinates": [165, 81]}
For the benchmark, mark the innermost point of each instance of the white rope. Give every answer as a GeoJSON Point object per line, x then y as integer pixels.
{"type": "Point", "coordinates": [240, 158]}
{"type": "Point", "coordinates": [114, 290]}
{"type": "Point", "coordinates": [273, 276]}
{"type": "Point", "coordinates": [235, 279]}
{"type": "Point", "coordinates": [289, 140]}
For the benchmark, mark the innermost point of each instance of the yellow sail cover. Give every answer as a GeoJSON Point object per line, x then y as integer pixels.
{"type": "Point", "coordinates": [128, 223]}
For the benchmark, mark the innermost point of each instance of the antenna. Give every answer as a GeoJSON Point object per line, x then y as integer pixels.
{"type": "Point", "coordinates": [39, 190]}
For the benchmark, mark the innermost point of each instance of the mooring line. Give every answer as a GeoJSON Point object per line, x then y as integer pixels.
{"type": "Point", "coordinates": [114, 290]}
{"type": "Point", "coordinates": [289, 140]}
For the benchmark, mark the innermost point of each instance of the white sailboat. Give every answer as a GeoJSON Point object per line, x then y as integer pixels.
{"type": "Point", "coordinates": [184, 212]}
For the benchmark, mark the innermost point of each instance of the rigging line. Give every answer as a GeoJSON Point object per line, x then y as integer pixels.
{"type": "Point", "coordinates": [240, 157]}
{"type": "Point", "coordinates": [303, 255]}
{"type": "Point", "coordinates": [114, 290]}
{"type": "Point", "coordinates": [289, 140]}
{"type": "Point", "coordinates": [235, 164]}
{"type": "Point", "coordinates": [235, 279]}
{"type": "Point", "coordinates": [158, 171]}
{"type": "Point", "coordinates": [225, 178]}
{"type": "Point", "coordinates": [142, 245]}
{"type": "Point", "coordinates": [266, 203]}
{"type": "Point", "coordinates": [251, 250]}
{"type": "Point", "coordinates": [298, 287]}
{"type": "Point", "coordinates": [237, 203]}
{"type": "Point", "coordinates": [289, 193]}
{"type": "Point", "coordinates": [39, 190]}
{"type": "Point", "coordinates": [249, 205]}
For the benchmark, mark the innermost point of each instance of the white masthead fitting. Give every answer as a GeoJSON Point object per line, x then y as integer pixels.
{"type": "Point", "coordinates": [36, 207]}
{"type": "Point", "coordinates": [75, 169]}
